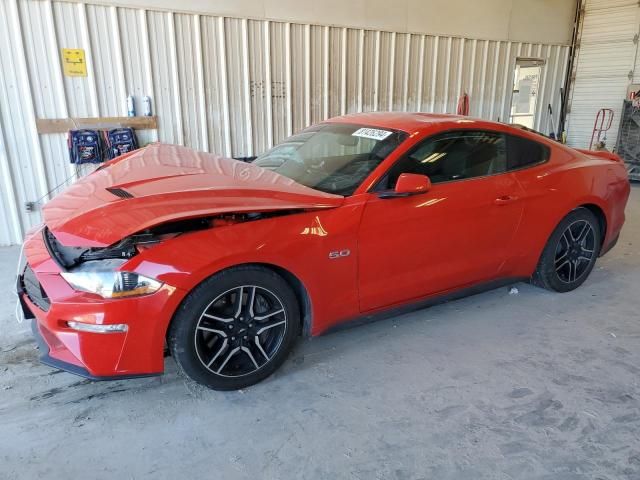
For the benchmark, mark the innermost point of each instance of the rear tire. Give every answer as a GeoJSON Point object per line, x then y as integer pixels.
{"type": "Point", "coordinates": [570, 253]}
{"type": "Point", "coordinates": [235, 329]}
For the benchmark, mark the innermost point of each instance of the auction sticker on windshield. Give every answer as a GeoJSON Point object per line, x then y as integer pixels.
{"type": "Point", "coordinates": [373, 133]}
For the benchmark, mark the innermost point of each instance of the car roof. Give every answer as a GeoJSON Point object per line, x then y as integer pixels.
{"type": "Point", "coordinates": [422, 122]}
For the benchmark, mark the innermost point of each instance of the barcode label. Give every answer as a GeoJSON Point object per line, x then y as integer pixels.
{"type": "Point", "coordinates": [372, 133]}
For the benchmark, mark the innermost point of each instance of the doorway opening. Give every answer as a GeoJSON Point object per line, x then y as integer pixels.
{"type": "Point", "coordinates": [526, 83]}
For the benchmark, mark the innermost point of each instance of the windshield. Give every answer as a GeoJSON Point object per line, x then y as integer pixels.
{"type": "Point", "coordinates": [333, 157]}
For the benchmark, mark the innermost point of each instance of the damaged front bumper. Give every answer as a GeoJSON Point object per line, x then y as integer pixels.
{"type": "Point", "coordinates": [72, 328]}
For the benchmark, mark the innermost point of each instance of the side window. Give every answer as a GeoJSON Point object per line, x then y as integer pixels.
{"type": "Point", "coordinates": [522, 152]}
{"type": "Point", "coordinates": [454, 156]}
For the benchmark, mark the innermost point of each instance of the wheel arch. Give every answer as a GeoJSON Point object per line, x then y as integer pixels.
{"type": "Point", "coordinates": [302, 294]}
{"type": "Point", "coordinates": [600, 215]}
{"type": "Point", "coordinates": [299, 289]}
{"type": "Point", "coordinates": [590, 204]}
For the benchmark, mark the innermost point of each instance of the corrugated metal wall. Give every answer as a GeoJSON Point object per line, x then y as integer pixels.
{"type": "Point", "coordinates": [604, 68]}
{"type": "Point", "coordinates": [228, 85]}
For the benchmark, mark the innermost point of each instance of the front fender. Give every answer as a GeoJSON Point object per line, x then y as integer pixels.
{"type": "Point", "coordinates": [298, 243]}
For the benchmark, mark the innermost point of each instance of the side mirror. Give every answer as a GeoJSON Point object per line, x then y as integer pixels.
{"type": "Point", "coordinates": [408, 184]}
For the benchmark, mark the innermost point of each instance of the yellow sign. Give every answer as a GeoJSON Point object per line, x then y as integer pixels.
{"type": "Point", "coordinates": [73, 62]}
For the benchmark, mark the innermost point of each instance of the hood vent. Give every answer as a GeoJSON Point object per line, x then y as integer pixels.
{"type": "Point", "coordinates": [119, 192]}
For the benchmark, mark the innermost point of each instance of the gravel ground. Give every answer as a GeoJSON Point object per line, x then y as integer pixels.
{"type": "Point", "coordinates": [495, 386]}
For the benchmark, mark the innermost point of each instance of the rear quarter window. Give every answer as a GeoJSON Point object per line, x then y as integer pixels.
{"type": "Point", "coordinates": [522, 152]}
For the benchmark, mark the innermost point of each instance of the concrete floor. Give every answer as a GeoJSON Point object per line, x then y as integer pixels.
{"type": "Point", "coordinates": [495, 386]}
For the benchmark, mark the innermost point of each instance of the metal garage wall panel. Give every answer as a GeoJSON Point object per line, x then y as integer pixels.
{"type": "Point", "coordinates": [485, 80]}
{"type": "Point", "coordinates": [191, 81]}
{"type": "Point", "coordinates": [492, 104]}
{"type": "Point", "coordinates": [229, 85]}
{"type": "Point", "coordinates": [559, 71]}
{"type": "Point", "coordinates": [336, 71]}
{"type": "Point", "coordinates": [215, 86]}
{"type": "Point", "coordinates": [413, 66]}
{"type": "Point", "coordinates": [299, 106]}
{"type": "Point", "coordinates": [10, 226]}
{"type": "Point", "coordinates": [165, 76]}
{"type": "Point", "coordinates": [385, 75]}
{"type": "Point", "coordinates": [280, 76]}
{"type": "Point", "coordinates": [605, 65]}
{"type": "Point", "coordinates": [40, 41]}
{"type": "Point", "coordinates": [441, 48]}
{"type": "Point", "coordinates": [136, 63]}
{"type": "Point", "coordinates": [544, 98]}
{"type": "Point", "coordinates": [109, 77]}
{"type": "Point", "coordinates": [448, 55]}
{"type": "Point", "coordinates": [134, 55]}
{"type": "Point", "coordinates": [27, 177]}
{"type": "Point", "coordinates": [350, 65]}
{"type": "Point", "coordinates": [136, 76]}
{"type": "Point", "coordinates": [259, 84]}
{"type": "Point", "coordinates": [402, 48]}
{"type": "Point", "coordinates": [612, 23]}
{"type": "Point", "coordinates": [72, 31]}
{"type": "Point", "coordinates": [238, 91]}
{"type": "Point", "coordinates": [371, 65]}
{"type": "Point", "coordinates": [317, 69]}
{"type": "Point", "coordinates": [595, 5]}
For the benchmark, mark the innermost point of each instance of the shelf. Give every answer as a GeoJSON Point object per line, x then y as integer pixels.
{"type": "Point", "coordinates": [63, 125]}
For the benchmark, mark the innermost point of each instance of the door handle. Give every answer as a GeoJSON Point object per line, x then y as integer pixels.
{"type": "Point", "coordinates": [505, 200]}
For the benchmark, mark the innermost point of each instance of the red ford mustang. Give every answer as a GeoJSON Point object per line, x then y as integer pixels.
{"type": "Point", "coordinates": [226, 263]}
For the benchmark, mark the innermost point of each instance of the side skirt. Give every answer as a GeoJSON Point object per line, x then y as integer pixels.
{"type": "Point", "coordinates": [423, 303]}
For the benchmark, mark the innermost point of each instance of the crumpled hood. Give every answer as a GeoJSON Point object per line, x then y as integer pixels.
{"type": "Point", "coordinates": [161, 183]}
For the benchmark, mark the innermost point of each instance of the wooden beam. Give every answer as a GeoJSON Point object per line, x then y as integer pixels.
{"type": "Point", "coordinates": [63, 125]}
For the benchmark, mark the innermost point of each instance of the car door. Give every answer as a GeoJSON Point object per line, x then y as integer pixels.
{"type": "Point", "coordinates": [456, 234]}
{"type": "Point", "coordinates": [527, 162]}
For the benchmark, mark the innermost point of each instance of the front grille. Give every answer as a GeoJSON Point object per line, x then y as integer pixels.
{"type": "Point", "coordinates": [34, 290]}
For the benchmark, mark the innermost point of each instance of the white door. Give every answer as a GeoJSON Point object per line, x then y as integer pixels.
{"type": "Point", "coordinates": [526, 83]}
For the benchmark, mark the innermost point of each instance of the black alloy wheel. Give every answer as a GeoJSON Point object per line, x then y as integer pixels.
{"type": "Point", "coordinates": [574, 252]}
{"type": "Point", "coordinates": [570, 253]}
{"type": "Point", "coordinates": [236, 328]}
{"type": "Point", "coordinates": [240, 331]}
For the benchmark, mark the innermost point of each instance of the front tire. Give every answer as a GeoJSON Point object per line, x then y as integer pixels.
{"type": "Point", "coordinates": [235, 329]}
{"type": "Point", "coordinates": [570, 253]}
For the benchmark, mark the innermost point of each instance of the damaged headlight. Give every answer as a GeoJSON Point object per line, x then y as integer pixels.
{"type": "Point", "coordinates": [102, 278]}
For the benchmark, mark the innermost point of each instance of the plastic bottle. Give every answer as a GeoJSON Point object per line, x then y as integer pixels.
{"type": "Point", "coordinates": [131, 108]}
{"type": "Point", "coordinates": [146, 106]}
